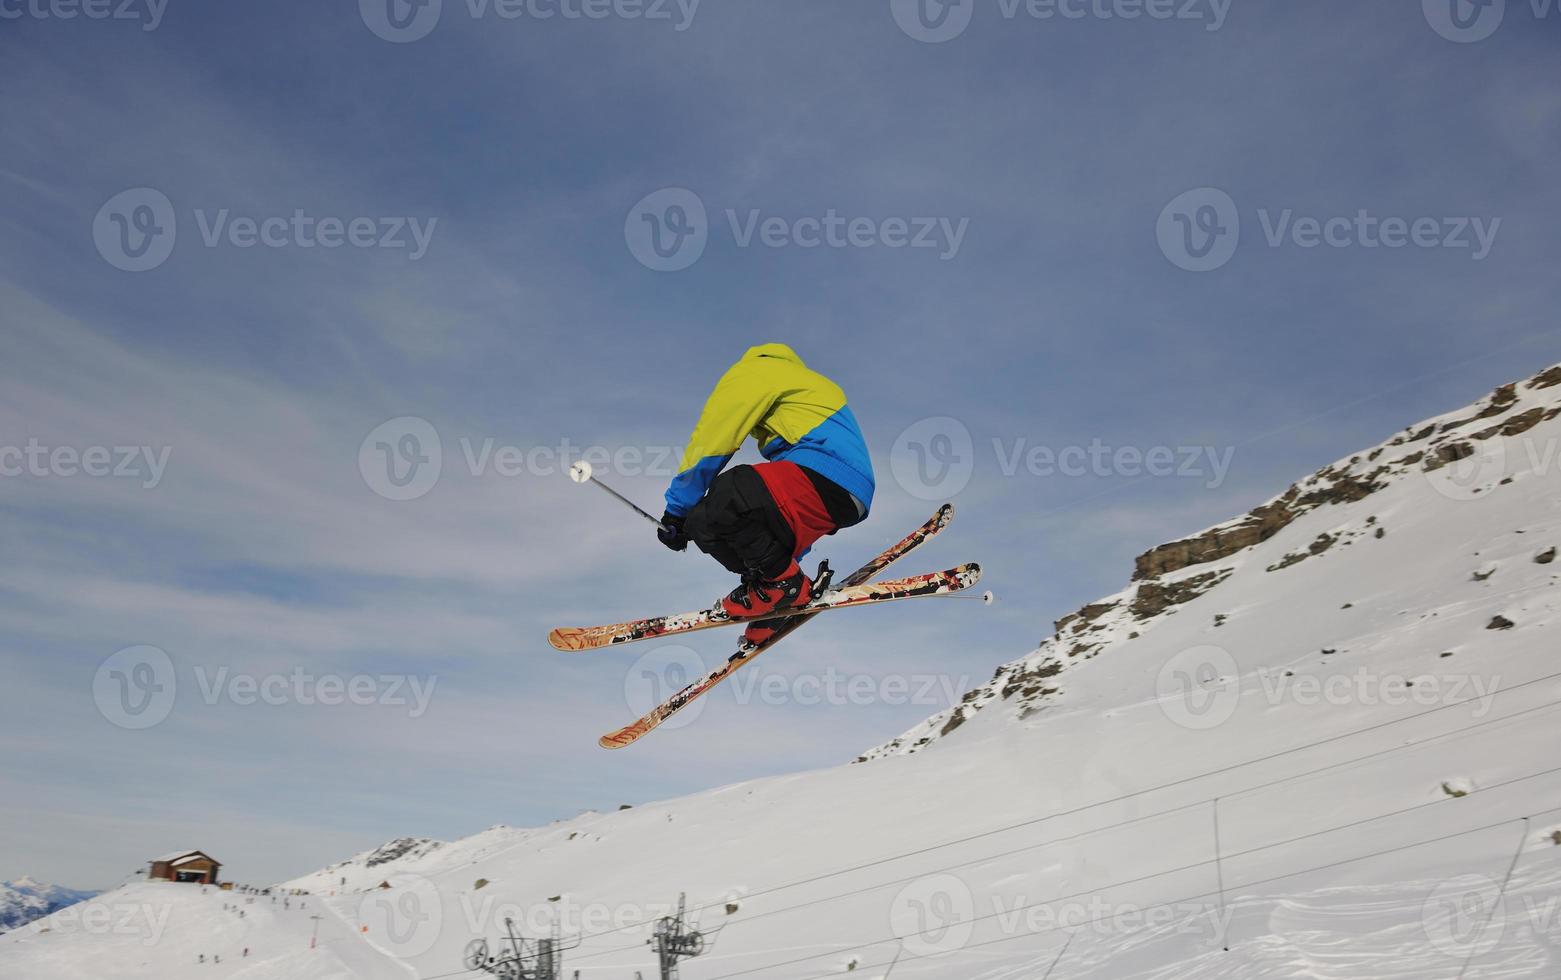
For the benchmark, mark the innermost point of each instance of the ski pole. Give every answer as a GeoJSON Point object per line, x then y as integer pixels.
{"type": "Point", "coordinates": [581, 473]}
{"type": "Point", "coordinates": [986, 598]}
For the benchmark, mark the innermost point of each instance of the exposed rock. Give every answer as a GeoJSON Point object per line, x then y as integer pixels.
{"type": "Point", "coordinates": [1088, 614]}
{"type": "Point", "coordinates": [1501, 399]}
{"type": "Point", "coordinates": [1027, 683]}
{"type": "Point", "coordinates": [1501, 623]}
{"type": "Point", "coordinates": [1545, 557]}
{"type": "Point", "coordinates": [1448, 452]}
{"type": "Point", "coordinates": [1154, 598]}
{"type": "Point", "coordinates": [1217, 543]}
{"type": "Point", "coordinates": [1547, 379]}
{"type": "Point", "coordinates": [1329, 486]}
{"type": "Point", "coordinates": [398, 848]}
{"type": "Point", "coordinates": [1317, 547]}
{"type": "Point", "coordinates": [955, 720]}
{"type": "Point", "coordinates": [1518, 424]}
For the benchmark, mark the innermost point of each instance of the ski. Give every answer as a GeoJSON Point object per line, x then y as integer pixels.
{"type": "Point", "coordinates": [784, 627]}
{"type": "Point", "coordinates": [910, 587]}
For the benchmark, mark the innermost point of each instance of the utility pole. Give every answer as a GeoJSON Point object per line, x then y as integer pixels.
{"type": "Point", "coordinates": [674, 941]}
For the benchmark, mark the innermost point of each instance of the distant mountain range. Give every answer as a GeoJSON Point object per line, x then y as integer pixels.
{"type": "Point", "coordinates": [23, 900]}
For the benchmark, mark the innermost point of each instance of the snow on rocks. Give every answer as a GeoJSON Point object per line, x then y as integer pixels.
{"type": "Point", "coordinates": [1497, 444]}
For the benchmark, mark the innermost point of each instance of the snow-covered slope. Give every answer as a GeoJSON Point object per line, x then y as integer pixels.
{"type": "Point", "coordinates": [1338, 519]}
{"type": "Point", "coordinates": [1321, 735]}
{"type": "Point", "coordinates": [155, 930]}
{"type": "Point", "coordinates": [23, 900]}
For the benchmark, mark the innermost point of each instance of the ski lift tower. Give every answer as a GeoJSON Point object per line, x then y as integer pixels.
{"type": "Point", "coordinates": [675, 941]}
{"type": "Point", "coordinates": [541, 959]}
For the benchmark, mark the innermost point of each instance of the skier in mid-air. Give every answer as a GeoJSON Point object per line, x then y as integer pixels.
{"type": "Point", "coordinates": [758, 520]}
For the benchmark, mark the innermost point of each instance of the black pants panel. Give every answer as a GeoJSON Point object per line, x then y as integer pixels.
{"type": "Point", "coordinates": [738, 524]}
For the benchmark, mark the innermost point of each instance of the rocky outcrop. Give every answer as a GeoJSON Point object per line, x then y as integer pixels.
{"type": "Point", "coordinates": [1170, 576]}
{"type": "Point", "coordinates": [1154, 598]}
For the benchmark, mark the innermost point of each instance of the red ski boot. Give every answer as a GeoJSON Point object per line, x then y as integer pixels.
{"type": "Point", "coordinates": [759, 597]}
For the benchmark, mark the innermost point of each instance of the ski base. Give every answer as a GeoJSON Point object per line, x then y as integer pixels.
{"type": "Point", "coordinates": [574, 640]}
{"type": "Point", "coordinates": [783, 627]}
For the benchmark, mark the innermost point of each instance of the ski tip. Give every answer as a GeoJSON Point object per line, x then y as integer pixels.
{"type": "Point", "coordinates": [563, 639]}
{"type": "Point", "coordinates": [618, 739]}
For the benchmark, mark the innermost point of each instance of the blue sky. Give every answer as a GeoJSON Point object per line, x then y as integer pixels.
{"type": "Point", "coordinates": [528, 151]}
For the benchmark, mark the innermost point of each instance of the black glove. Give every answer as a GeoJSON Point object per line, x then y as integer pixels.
{"type": "Point", "coordinates": [671, 532]}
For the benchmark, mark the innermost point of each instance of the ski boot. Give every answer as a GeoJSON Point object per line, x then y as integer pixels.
{"type": "Point", "coordinates": [757, 597]}
{"type": "Point", "coordinates": [758, 633]}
